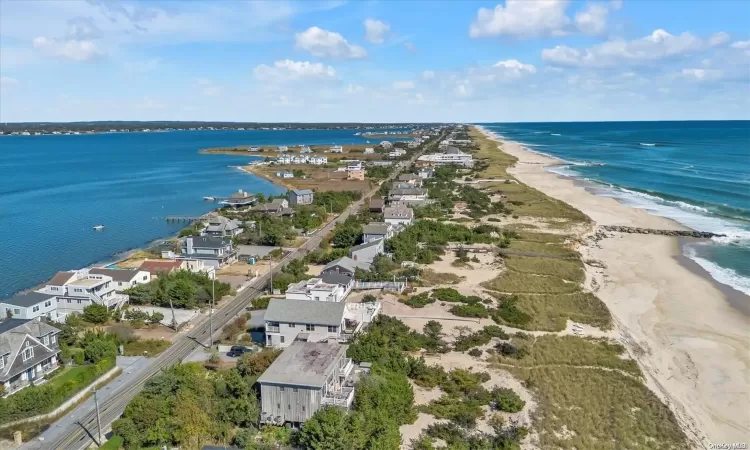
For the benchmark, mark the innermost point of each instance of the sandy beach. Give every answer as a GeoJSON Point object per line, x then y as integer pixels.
{"type": "Point", "coordinates": [692, 345]}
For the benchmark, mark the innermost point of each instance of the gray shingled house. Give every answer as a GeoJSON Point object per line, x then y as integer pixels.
{"type": "Point", "coordinates": [301, 197]}
{"type": "Point", "coordinates": [28, 351]}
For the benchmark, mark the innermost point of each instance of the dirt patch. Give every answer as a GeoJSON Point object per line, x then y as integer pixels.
{"type": "Point", "coordinates": [160, 332]}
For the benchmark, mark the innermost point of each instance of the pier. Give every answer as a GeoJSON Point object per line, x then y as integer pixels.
{"type": "Point", "coordinates": [184, 218]}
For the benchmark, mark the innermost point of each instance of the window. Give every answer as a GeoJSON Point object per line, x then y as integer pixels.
{"type": "Point", "coordinates": [331, 329]}
{"type": "Point", "coordinates": [282, 388]}
{"type": "Point", "coordinates": [292, 325]}
{"type": "Point", "coordinates": [28, 352]}
{"type": "Point", "coordinates": [2, 362]}
{"type": "Point", "coordinates": [79, 302]}
{"type": "Point", "coordinates": [309, 327]}
{"type": "Point", "coordinates": [47, 304]}
{"type": "Point", "coordinates": [46, 340]}
{"type": "Point", "coordinates": [53, 339]}
{"type": "Point", "coordinates": [278, 405]}
{"type": "Point", "coordinates": [281, 339]}
{"type": "Point", "coordinates": [70, 301]}
{"type": "Point", "coordinates": [119, 283]}
{"type": "Point", "coordinates": [144, 277]}
{"type": "Point", "coordinates": [289, 407]}
{"type": "Point", "coordinates": [16, 311]}
{"type": "Point", "coordinates": [54, 288]}
{"type": "Point", "coordinates": [294, 389]}
{"type": "Point", "coordinates": [35, 308]}
{"type": "Point", "coordinates": [268, 338]}
{"type": "Point", "coordinates": [303, 409]}
{"type": "Point", "coordinates": [78, 290]}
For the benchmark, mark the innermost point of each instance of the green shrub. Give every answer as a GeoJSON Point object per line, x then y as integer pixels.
{"type": "Point", "coordinates": [509, 313]}
{"type": "Point", "coordinates": [260, 303]}
{"type": "Point", "coordinates": [506, 400]}
{"type": "Point", "coordinates": [475, 352]}
{"type": "Point", "coordinates": [447, 295]}
{"type": "Point", "coordinates": [418, 301]}
{"type": "Point", "coordinates": [474, 310]}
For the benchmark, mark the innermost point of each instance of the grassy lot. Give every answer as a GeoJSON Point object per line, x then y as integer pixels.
{"type": "Point", "coordinates": [68, 374]}
{"type": "Point", "coordinates": [152, 347]}
{"type": "Point", "coordinates": [589, 409]}
{"type": "Point", "coordinates": [550, 312]}
{"type": "Point", "coordinates": [569, 270]}
{"type": "Point", "coordinates": [513, 282]}
{"type": "Point", "coordinates": [114, 443]}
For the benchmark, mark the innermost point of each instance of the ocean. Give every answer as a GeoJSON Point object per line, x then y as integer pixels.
{"type": "Point", "coordinates": [696, 173]}
{"type": "Point", "coordinates": [54, 189]}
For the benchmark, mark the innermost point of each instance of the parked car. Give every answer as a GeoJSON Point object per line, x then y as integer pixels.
{"type": "Point", "coordinates": [238, 350]}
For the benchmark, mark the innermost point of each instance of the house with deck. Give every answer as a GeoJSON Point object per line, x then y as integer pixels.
{"type": "Point", "coordinates": [239, 199]}
{"type": "Point", "coordinates": [345, 266]}
{"type": "Point", "coordinates": [78, 289]}
{"type": "Point", "coordinates": [376, 230]}
{"type": "Point", "coordinates": [28, 351]}
{"type": "Point", "coordinates": [315, 289]}
{"type": "Point", "coordinates": [221, 226]}
{"type": "Point", "coordinates": [398, 215]}
{"type": "Point", "coordinates": [123, 279]}
{"type": "Point", "coordinates": [30, 305]}
{"type": "Point", "coordinates": [417, 195]}
{"type": "Point", "coordinates": [304, 378]}
{"type": "Point", "coordinates": [213, 251]}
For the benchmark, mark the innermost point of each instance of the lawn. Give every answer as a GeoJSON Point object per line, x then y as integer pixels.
{"type": "Point", "coordinates": [151, 347]}
{"type": "Point", "coordinates": [68, 374]}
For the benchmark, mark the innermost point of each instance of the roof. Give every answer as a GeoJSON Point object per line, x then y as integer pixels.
{"type": "Point", "coordinates": [28, 299]}
{"type": "Point", "coordinates": [14, 331]}
{"type": "Point", "coordinates": [335, 278]}
{"type": "Point", "coordinates": [208, 241]}
{"type": "Point", "coordinates": [398, 212]}
{"type": "Point", "coordinates": [61, 278]}
{"type": "Point", "coordinates": [415, 191]}
{"type": "Point", "coordinates": [160, 266]}
{"type": "Point", "coordinates": [116, 274]}
{"type": "Point", "coordinates": [365, 245]}
{"type": "Point", "coordinates": [347, 263]}
{"type": "Point", "coordinates": [305, 311]}
{"type": "Point", "coordinates": [377, 203]}
{"type": "Point", "coordinates": [304, 364]}
{"type": "Point", "coordinates": [375, 228]}
{"type": "Point", "coordinates": [302, 191]}
{"type": "Point", "coordinates": [408, 177]}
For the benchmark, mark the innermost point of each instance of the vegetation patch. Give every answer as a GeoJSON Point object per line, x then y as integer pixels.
{"type": "Point", "coordinates": [183, 289]}
{"type": "Point", "coordinates": [467, 340]}
{"type": "Point", "coordinates": [418, 301]}
{"type": "Point", "coordinates": [513, 282]}
{"type": "Point", "coordinates": [549, 312]}
{"type": "Point", "coordinates": [569, 270]}
{"type": "Point", "coordinates": [148, 347]}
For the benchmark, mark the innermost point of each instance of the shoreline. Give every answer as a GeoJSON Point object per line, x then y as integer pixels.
{"type": "Point", "coordinates": [684, 330]}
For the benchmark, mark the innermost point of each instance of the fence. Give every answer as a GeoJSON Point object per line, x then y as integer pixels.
{"type": "Point", "coordinates": [385, 285]}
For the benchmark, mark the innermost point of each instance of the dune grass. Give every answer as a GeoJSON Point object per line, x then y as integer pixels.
{"type": "Point", "coordinates": [551, 312]}
{"type": "Point", "coordinates": [553, 350]}
{"type": "Point", "coordinates": [513, 282]}
{"type": "Point", "coordinates": [569, 270]}
{"type": "Point", "coordinates": [589, 409]}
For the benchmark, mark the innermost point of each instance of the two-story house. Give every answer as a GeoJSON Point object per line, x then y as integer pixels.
{"type": "Point", "coordinates": [214, 251]}
{"type": "Point", "coordinates": [364, 254]}
{"type": "Point", "coordinates": [79, 289]}
{"type": "Point", "coordinates": [301, 197]}
{"type": "Point", "coordinates": [303, 379]}
{"type": "Point", "coordinates": [315, 289]}
{"type": "Point", "coordinates": [345, 265]}
{"type": "Point", "coordinates": [123, 279]}
{"type": "Point", "coordinates": [407, 195]}
{"type": "Point", "coordinates": [28, 351]}
{"type": "Point", "coordinates": [398, 215]}
{"type": "Point", "coordinates": [238, 199]}
{"type": "Point", "coordinates": [305, 320]}
{"type": "Point", "coordinates": [220, 226]}
{"type": "Point", "coordinates": [414, 180]}
{"type": "Point", "coordinates": [30, 306]}
{"type": "Point", "coordinates": [376, 230]}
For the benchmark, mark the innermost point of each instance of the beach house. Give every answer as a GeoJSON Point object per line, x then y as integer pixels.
{"type": "Point", "coordinates": [344, 266]}
{"type": "Point", "coordinates": [336, 149]}
{"type": "Point", "coordinates": [415, 195]}
{"type": "Point", "coordinates": [30, 306]}
{"type": "Point", "coordinates": [369, 150]}
{"type": "Point", "coordinates": [123, 279]}
{"type": "Point", "coordinates": [449, 156]}
{"type": "Point", "coordinates": [304, 378]}
{"type": "Point", "coordinates": [364, 254]}
{"type": "Point", "coordinates": [283, 149]}
{"type": "Point", "coordinates": [410, 178]}
{"type": "Point", "coordinates": [284, 174]}
{"type": "Point", "coordinates": [29, 350]}
{"type": "Point", "coordinates": [398, 215]}
{"type": "Point", "coordinates": [238, 199]}
{"type": "Point", "coordinates": [376, 230]}
{"type": "Point", "coordinates": [305, 149]}
{"type": "Point", "coordinates": [315, 289]}
{"type": "Point", "coordinates": [301, 197]}
{"type": "Point", "coordinates": [78, 289]}
{"type": "Point", "coordinates": [221, 226]}
{"type": "Point", "coordinates": [213, 251]}
{"type": "Point", "coordinates": [386, 145]}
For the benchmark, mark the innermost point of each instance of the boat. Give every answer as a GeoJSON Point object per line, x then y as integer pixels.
{"type": "Point", "coordinates": [99, 227]}
{"type": "Point", "coordinates": [209, 198]}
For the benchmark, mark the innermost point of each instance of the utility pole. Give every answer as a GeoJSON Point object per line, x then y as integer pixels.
{"type": "Point", "coordinates": [98, 419]}
{"type": "Point", "coordinates": [211, 312]}
{"type": "Point", "coordinates": [270, 272]}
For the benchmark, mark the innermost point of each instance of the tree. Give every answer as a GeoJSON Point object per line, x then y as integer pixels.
{"type": "Point", "coordinates": [182, 293]}
{"type": "Point", "coordinates": [99, 346]}
{"type": "Point", "coordinates": [95, 313]}
{"type": "Point", "coordinates": [156, 317]}
{"type": "Point", "coordinates": [325, 430]}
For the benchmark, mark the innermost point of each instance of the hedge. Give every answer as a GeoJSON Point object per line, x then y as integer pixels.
{"type": "Point", "coordinates": [35, 400]}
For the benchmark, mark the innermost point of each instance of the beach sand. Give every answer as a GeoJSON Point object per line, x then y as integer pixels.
{"type": "Point", "coordinates": [692, 345]}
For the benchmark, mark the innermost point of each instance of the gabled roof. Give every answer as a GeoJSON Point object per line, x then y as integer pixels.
{"type": "Point", "coordinates": [14, 331]}
{"type": "Point", "coordinates": [208, 241]}
{"type": "Point", "coordinates": [377, 203]}
{"type": "Point", "coordinates": [414, 191]}
{"type": "Point", "coordinates": [336, 278]}
{"type": "Point", "coordinates": [347, 263]}
{"type": "Point", "coordinates": [61, 278]}
{"type": "Point", "coordinates": [302, 191]}
{"type": "Point", "coordinates": [408, 177]}
{"type": "Point", "coordinates": [116, 274]}
{"type": "Point", "coordinates": [374, 243]}
{"type": "Point", "coordinates": [305, 311]}
{"type": "Point", "coordinates": [27, 300]}
{"type": "Point", "coordinates": [398, 212]}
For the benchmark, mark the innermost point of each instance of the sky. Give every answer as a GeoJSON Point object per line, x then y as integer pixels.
{"type": "Point", "coordinates": [374, 61]}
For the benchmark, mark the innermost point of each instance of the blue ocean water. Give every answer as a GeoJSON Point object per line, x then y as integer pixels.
{"type": "Point", "coordinates": [697, 173]}
{"type": "Point", "coordinates": [54, 189]}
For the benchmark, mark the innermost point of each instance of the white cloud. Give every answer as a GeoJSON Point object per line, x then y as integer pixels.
{"type": "Point", "coordinates": [328, 44]}
{"type": "Point", "coordinates": [702, 74]}
{"type": "Point", "coordinates": [592, 20]}
{"type": "Point", "coordinates": [463, 89]}
{"type": "Point", "coordinates": [376, 31]}
{"type": "Point", "coordinates": [428, 74]}
{"type": "Point", "coordinates": [411, 48]}
{"type": "Point", "coordinates": [72, 49]}
{"type": "Point", "coordinates": [354, 89]}
{"type": "Point", "coordinates": [742, 45]}
{"type": "Point", "coordinates": [656, 46]}
{"type": "Point", "coordinates": [718, 39]}
{"type": "Point", "coordinates": [288, 70]}
{"type": "Point", "coordinates": [515, 68]}
{"type": "Point", "coordinates": [616, 4]}
{"type": "Point", "coordinates": [522, 18]}
{"type": "Point", "coordinates": [8, 82]}
{"type": "Point", "coordinates": [403, 85]}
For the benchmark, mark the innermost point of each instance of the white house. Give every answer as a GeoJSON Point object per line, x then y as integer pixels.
{"type": "Point", "coordinates": [451, 156]}
{"type": "Point", "coordinates": [123, 279]}
{"type": "Point", "coordinates": [369, 151]}
{"type": "Point", "coordinates": [221, 226]}
{"type": "Point", "coordinates": [316, 289]}
{"type": "Point", "coordinates": [318, 160]}
{"type": "Point", "coordinates": [30, 306]}
{"type": "Point", "coordinates": [398, 215]}
{"type": "Point", "coordinates": [398, 152]}
{"type": "Point", "coordinates": [354, 165]}
{"type": "Point", "coordinates": [336, 149]}
{"type": "Point", "coordinates": [407, 195]}
{"type": "Point", "coordinates": [283, 148]}
{"type": "Point", "coordinates": [78, 289]}
{"type": "Point", "coordinates": [214, 251]}
{"type": "Point", "coordinates": [305, 149]}
{"type": "Point", "coordinates": [284, 174]}
{"type": "Point", "coordinates": [253, 149]}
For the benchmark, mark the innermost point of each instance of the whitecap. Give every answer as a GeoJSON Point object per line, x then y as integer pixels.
{"type": "Point", "coordinates": [556, 134]}
{"type": "Point", "coordinates": [721, 274]}
{"type": "Point", "coordinates": [647, 144]}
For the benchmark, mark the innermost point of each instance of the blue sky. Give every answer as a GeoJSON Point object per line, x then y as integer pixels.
{"type": "Point", "coordinates": [381, 61]}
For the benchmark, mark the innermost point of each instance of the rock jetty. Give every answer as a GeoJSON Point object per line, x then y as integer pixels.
{"type": "Point", "coordinates": [678, 233]}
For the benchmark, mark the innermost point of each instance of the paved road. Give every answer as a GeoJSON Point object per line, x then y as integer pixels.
{"type": "Point", "coordinates": [81, 436]}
